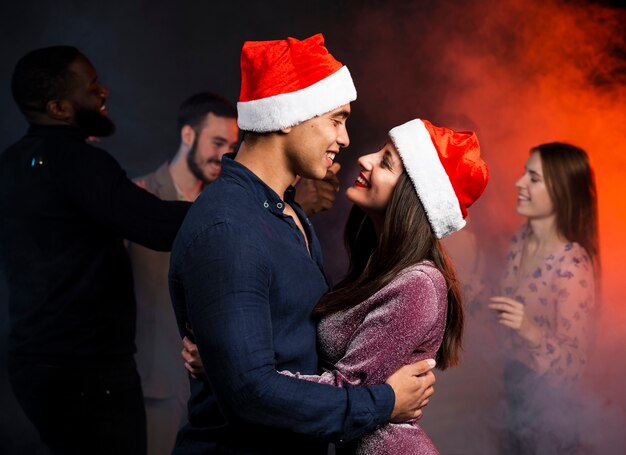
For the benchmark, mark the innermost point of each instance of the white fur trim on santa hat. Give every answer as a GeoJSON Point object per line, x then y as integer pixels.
{"type": "Point", "coordinates": [431, 182]}
{"type": "Point", "coordinates": [288, 109]}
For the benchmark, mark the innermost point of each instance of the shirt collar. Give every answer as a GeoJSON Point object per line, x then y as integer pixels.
{"type": "Point", "coordinates": [262, 193]}
{"type": "Point", "coordinates": [167, 187]}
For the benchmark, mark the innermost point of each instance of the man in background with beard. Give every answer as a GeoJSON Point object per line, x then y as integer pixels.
{"type": "Point", "coordinates": [66, 207]}
{"type": "Point", "coordinates": [208, 130]}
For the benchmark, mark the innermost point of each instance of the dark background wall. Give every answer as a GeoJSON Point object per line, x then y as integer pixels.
{"type": "Point", "coordinates": [518, 72]}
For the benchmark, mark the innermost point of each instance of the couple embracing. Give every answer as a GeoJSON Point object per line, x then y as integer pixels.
{"type": "Point", "coordinates": [248, 285]}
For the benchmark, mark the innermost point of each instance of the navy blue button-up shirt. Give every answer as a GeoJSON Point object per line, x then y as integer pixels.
{"type": "Point", "coordinates": [241, 275]}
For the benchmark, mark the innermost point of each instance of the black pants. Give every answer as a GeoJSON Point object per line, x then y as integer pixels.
{"type": "Point", "coordinates": [83, 411]}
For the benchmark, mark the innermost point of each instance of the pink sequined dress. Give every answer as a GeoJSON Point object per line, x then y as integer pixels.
{"type": "Point", "coordinates": [400, 324]}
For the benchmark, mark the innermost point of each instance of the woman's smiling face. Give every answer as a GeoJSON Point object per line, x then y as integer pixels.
{"type": "Point", "coordinates": [379, 175]}
{"type": "Point", "coordinates": [533, 199]}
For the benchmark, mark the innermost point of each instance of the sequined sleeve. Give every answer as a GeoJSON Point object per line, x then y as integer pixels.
{"type": "Point", "coordinates": [405, 323]}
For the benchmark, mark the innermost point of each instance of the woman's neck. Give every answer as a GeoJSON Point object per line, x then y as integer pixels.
{"type": "Point", "coordinates": [544, 237]}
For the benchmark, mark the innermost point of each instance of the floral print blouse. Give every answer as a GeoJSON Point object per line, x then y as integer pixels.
{"type": "Point", "coordinates": [559, 296]}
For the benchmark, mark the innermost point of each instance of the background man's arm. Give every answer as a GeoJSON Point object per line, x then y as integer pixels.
{"type": "Point", "coordinates": [315, 196]}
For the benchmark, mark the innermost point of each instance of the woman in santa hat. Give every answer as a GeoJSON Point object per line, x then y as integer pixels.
{"type": "Point", "coordinates": [400, 301]}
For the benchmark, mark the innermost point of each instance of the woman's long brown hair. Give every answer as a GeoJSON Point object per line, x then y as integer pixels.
{"type": "Point", "coordinates": [406, 239]}
{"type": "Point", "coordinates": [572, 188]}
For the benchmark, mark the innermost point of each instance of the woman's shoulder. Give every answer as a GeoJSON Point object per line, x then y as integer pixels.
{"type": "Point", "coordinates": [417, 291]}
{"type": "Point", "coordinates": [426, 266]}
{"type": "Point", "coordinates": [575, 249]}
{"type": "Point", "coordinates": [422, 274]}
{"type": "Point", "coordinates": [572, 256]}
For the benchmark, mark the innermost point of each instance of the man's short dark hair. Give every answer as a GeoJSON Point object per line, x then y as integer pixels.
{"type": "Point", "coordinates": [42, 75]}
{"type": "Point", "coordinates": [195, 108]}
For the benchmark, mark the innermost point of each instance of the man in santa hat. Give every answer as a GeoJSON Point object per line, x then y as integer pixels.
{"type": "Point", "coordinates": [246, 272]}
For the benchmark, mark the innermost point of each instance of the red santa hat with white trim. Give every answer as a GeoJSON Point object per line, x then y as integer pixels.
{"type": "Point", "coordinates": [286, 82]}
{"type": "Point", "coordinates": [446, 170]}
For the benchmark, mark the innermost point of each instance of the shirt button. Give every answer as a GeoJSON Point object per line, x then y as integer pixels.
{"type": "Point", "coordinates": [266, 204]}
{"type": "Point", "coordinates": [279, 205]}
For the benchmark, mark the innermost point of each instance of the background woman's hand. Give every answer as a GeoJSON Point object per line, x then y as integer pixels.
{"type": "Point", "coordinates": [512, 314]}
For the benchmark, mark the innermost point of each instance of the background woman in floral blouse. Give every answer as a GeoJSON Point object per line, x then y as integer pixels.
{"type": "Point", "coordinates": [547, 299]}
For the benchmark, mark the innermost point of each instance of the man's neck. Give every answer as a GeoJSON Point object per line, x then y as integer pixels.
{"type": "Point", "coordinates": [41, 119]}
{"type": "Point", "coordinates": [266, 159]}
{"type": "Point", "coordinates": [185, 182]}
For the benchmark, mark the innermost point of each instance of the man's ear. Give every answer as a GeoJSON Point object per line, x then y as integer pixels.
{"type": "Point", "coordinates": [187, 135]}
{"type": "Point", "coordinates": [286, 130]}
{"type": "Point", "coordinates": [60, 110]}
